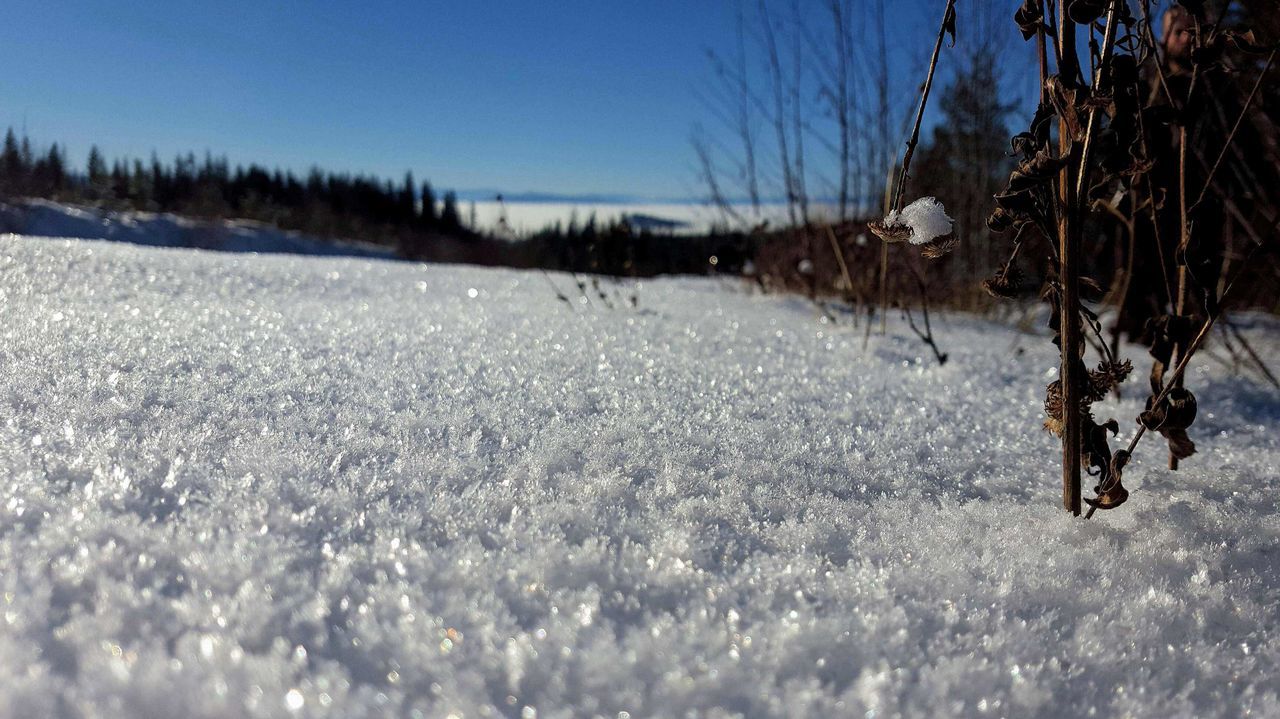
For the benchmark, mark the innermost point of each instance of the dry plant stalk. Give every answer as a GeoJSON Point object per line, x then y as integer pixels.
{"type": "Point", "coordinates": [1103, 140]}
{"type": "Point", "coordinates": [887, 232]}
{"type": "Point", "coordinates": [898, 226]}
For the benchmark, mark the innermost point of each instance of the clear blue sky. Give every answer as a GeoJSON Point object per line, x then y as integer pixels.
{"type": "Point", "coordinates": [556, 96]}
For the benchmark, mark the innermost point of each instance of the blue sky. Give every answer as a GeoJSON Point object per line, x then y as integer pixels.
{"type": "Point", "coordinates": [563, 97]}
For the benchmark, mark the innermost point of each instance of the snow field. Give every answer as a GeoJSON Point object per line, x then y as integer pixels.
{"type": "Point", "coordinates": [274, 486]}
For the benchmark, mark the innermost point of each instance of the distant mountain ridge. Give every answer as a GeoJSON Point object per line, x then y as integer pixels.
{"type": "Point", "coordinates": [531, 197]}
{"type": "Point", "coordinates": [489, 195]}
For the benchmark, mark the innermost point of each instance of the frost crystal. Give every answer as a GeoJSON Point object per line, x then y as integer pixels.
{"type": "Point", "coordinates": [926, 217]}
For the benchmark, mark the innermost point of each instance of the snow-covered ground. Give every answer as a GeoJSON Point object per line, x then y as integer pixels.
{"type": "Point", "coordinates": [278, 486]}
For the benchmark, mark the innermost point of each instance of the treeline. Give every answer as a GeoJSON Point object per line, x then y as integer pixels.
{"type": "Point", "coordinates": [405, 215]}
{"type": "Point", "coordinates": [618, 248]}
{"type": "Point", "coordinates": [326, 204]}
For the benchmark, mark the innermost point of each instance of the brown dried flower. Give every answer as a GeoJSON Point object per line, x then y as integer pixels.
{"type": "Point", "coordinates": [1053, 407]}
{"type": "Point", "coordinates": [939, 247]}
{"type": "Point", "coordinates": [1005, 284]}
{"type": "Point", "coordinates": [890, 232]}
{"type": "Point", "coordinates": [1106, 377]}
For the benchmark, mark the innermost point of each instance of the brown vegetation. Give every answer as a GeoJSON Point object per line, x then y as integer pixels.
{"type": "Point", "coordinates": [1145, 181]}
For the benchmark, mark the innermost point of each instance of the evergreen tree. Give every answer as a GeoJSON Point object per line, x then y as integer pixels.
{"type": "Point", "coordinates": [140, 187]}
{"type": "Point", "coordinates": [407, 202]}
{"type": "Point", "coordinates": [56, 169]}
{"type": "Point", "coordinates": [12, 172]}
{"type": "Point", "coordinates": [28, 158]}
{"type": "Point", "coordinates": [97, 174]}
{"type": "Point", "coordinates": [160, 187]}
{"type": "Point", "coordinates": [450, 221]}
{"type": "Point", "coordinates": [429, 219]}
{"type": "Point", "coordinates": [586, 248]}
{"type": "Point", "coordinates": [184, 179]}
{"type": "Point", "coordinates": [119, 181]}
{"type": "Point", "coordinates": [97, 168]}
{"type": "Point", "coordinates": [41, 185]}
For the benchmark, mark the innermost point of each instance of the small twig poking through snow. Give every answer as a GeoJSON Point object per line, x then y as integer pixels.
{"type": "Point", "coordinates": [604, 297]}
{"type": "Point", "coordinates": [559, 295]}
{"type": "Point", "coordinates": [844, 268]}
{"type": "Point", "coordinates": [582, 288]}
{"type": "Point", "coordinates": [927, 334]}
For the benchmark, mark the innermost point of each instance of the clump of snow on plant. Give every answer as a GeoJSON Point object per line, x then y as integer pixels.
{"type": "Point", "coordinates": [239, 486]}
{"type": "Point", "coordinates": [926, 217]}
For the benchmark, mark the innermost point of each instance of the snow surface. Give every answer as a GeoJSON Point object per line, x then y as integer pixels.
{"type": "Point", "coordinates": [926, 217]}
{"type": "Point", "coordinates": [280, 486]}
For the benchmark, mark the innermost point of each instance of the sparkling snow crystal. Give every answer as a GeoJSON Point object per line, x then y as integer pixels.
{"type": "Point", "coordinates": [926, 217]}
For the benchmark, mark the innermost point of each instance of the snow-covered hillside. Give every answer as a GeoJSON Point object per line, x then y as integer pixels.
{"type": "Point", "coordinates": [279, 486]}
{"type": "Point", "coordinates": [54, 219]}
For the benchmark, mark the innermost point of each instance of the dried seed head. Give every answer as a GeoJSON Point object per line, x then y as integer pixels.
{"type": "Point", "coordinates": [1004, 284]}
{"type": "Point", "coordinates": [1106, 377]}
{"type": "Point", "coordinates": [924, 220]}
{"type": "Point", "coordinates": [1053, 407]}
{"type": "Point", "coordinates": [939, 247]}
{"type": "Point", "coordinates": [890, 232]}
